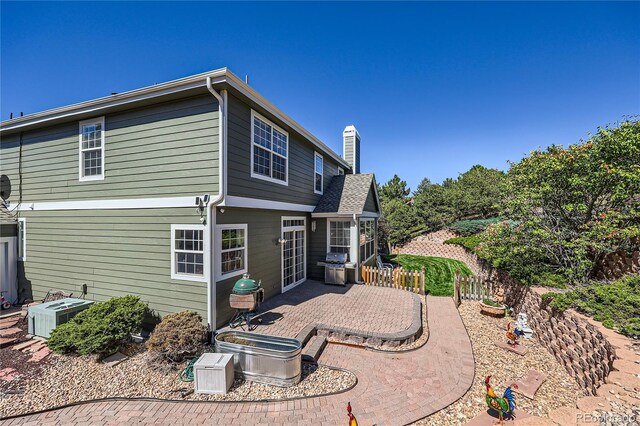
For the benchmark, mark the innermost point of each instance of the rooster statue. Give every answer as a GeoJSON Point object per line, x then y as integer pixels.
{"type": "Point", "coordinates": [513, 336]}
{"type": "Point", "coordinates": [504, 405]}
{"type": "Point", "coordinates": [352, 418]}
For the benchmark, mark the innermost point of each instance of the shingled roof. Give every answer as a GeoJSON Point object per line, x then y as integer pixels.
{"type": "Point", "coordinates": [347, 194]}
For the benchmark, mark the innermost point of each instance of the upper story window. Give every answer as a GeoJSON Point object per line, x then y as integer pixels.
{"type": "Point", "coordinates": [187, 252]}
{"type": "Point", "coordinates": [91, 153]}
{"type": "Point", "coordinates": [269, 150]}
{"type": "Point", "coordinates": [318, 176]}
{"type": "Point", "coordinates": [340, 171]}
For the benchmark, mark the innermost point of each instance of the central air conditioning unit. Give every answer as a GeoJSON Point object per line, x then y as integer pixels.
{"type": "Point", "coordinates": [45, 317]}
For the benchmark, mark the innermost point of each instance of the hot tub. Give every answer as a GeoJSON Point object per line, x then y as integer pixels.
{"type": "Point", "coordinates": [262, 358]}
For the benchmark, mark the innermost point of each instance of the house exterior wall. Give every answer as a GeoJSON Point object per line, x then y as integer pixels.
{"type": "Point", "coordinates": [8, 230]}
{"type": "Point", "coordinates": [164, 150]}
{"type": "Point", "coordinates": [115, 252]}
{"type": "Point", "coordinates": [317, 250]}
{"type": "Point", "coordinates": [370, 204]}
{"type": "Point", "coordinates": [264, 257]}
{"type": "Point", "coordinates": [300, 162]}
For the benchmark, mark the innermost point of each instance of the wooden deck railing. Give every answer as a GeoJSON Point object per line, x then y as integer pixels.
{"type": "Point", "coordinates": [397, 278]}
{"type": "Point", "coordinates": [471, 288]}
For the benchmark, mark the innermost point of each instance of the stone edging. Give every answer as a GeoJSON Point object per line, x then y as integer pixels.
{"type": "Point", "coordinates": [189, 401]}
{"type": "Point", "coordinates": [354, 336]}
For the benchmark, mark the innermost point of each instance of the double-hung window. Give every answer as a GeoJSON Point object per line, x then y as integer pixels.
{"type": "Point", "coordinates": [187, 252]}
{"type": "Point", "coordinates": [318, 175]}
{"type": "Point", "coordinates": [269, 151]}
{"type": "Point", "coordinates": [232, 252]}
{"type": "Point", "coordinates": [91, 152]}
{"type": "Point", "coordinates": [339, 236]}
{"type": "Point", "coordinates": [367, 238]}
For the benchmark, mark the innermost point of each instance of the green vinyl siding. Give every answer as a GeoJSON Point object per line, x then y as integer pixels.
{"type": "Point", "coordinates": [317, 250]}
{"type": "Point", "coordinates": [300, 162]}
{"type": "Point", "coordinates": [264, 261]}
{"type": "Point", "coordinates": [370, 204]}
{"type": "Point", "coordinates": [115, 252]}
{"type": "Point", "coordinates": [164, 150]}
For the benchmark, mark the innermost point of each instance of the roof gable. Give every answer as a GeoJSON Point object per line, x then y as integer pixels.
{"type": "Point", "coordinates": [348, 194]}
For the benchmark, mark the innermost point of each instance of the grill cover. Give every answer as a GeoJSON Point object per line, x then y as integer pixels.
{"type": "Point", "coordinates": [245, 285]}
{"type": "Point", "coordinates": [333, 257]}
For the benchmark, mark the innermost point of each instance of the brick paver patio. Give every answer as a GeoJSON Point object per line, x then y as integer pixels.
{"type": "Point", "coordinates": [392, 389]}
{"type": "Point", "coordinates": [364, 310]}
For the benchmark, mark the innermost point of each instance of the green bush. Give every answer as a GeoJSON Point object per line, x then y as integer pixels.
{"type": "Point", "coordinates": [473, 226]}
{"type": "Point", "coordinates": [470, 242]}
{"type": "Point", "coordinates": [177, 336]}
{"type": "Point", "coordinates": [491, 302]}
{"type": "Point", "coordinates": [616, 304]}
{"type": "Point", "coordinates": [101, 328]}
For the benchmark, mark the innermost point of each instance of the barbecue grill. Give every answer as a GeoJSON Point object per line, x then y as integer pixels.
{"type": "Point", "coordinates": [245, 297]}
{"type": "Point", "coordinates": [335, 269]}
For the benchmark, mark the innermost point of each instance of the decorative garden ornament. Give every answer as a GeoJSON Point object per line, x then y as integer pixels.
{"type": "Point", "coordinates": [523, 326]}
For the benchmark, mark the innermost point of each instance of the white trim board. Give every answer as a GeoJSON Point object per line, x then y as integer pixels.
{"type": "Point", "coordinates": [256, 203]}
{"type": "Point", "coordinates": [175, 275]}
{"type": "Point", "coordinates": [217, 250]}
{"type": "Point", "coordinates": [123, 203]}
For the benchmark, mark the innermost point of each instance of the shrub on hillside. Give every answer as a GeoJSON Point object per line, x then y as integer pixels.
{"type": "Point", "coordinates": [616, 304]}
{"type": "Point", "coordinates": [470, 227]}
{"type": "Point", "coordinates": [101, 328]}
{"type": "Point", "coordinates": [178, 336]}
{"type": "Point", "coordinates": [470, 242]}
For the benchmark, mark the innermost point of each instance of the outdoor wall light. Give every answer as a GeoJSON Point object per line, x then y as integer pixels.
{"type": "Point", "coordinates": [313, 226]}
{"type": "Point", "coordinates": [281, 241]}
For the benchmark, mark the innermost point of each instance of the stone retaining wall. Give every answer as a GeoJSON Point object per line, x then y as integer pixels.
{"type": "Point", "coordinates": [432, 244]}
{"type": "Point", "coordinates": [617, 264]}
{"type": "Point", "coordinates": [578, 345]}
{"type": "Point", "coordinates": [575, 342]}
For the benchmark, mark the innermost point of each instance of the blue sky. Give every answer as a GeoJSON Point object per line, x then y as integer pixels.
{"type": "Point", "coordinates": [433, 88]}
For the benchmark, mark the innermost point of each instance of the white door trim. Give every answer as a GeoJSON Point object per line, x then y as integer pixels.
{"type": "Point", "coordinates": [293, 229]}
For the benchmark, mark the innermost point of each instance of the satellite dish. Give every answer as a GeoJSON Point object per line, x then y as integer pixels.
{"type": "Point", "coordinates": [5, 187]}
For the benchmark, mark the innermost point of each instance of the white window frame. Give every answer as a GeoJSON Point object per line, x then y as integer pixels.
{"type": "Point", "coordinates": [81, 177]}
{"type": "Point", "coordinates": [22, 242]}
{"type": "Point", "coordinates": [340, 171]}
{"type": "Point", "coordinates": [188, 277]}
{"type": "Point", "coordinates": [294, 228]}
{"type": "Point", "coordinates": [361, 246]}
{"type": "Point", "coordinates": [340, 219]}
{"type": "Point", "coordinates": [285, 182]}
{"type": "Point", "coordinates": [317, 155]}
{"type": "Point", "coordinates": [218, 252]}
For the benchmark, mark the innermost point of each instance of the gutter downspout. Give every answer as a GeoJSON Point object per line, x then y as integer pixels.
{"type": "Point", "coordinates": [222, 144]}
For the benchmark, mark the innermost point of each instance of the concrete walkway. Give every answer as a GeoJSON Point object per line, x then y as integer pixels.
{"type": "Point", "coordinates": [392, 389]}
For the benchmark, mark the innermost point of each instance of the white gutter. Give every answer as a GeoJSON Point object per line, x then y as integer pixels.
{"type": "Point", "coordinates": [210, 225]}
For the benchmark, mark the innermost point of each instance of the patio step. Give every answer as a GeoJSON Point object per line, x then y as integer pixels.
{"type": "Point", "coordinates": [313, 349]}
{"type": "Point", "coordinates": [7, 341]}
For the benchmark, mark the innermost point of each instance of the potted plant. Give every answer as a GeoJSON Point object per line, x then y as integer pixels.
{"type": "Point", "coordinates": [493, 308]}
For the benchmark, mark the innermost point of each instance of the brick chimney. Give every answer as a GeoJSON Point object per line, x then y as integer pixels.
{"type": "Point", "coordinates": [351, 147]}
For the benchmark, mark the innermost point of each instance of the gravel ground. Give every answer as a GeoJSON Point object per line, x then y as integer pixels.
{"type": "Point", "coordinates": [18, 361]}
{"type": "Point", "coordinates": [559, 389]}
{"type": "Point", "coordinates": [71, 379]}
